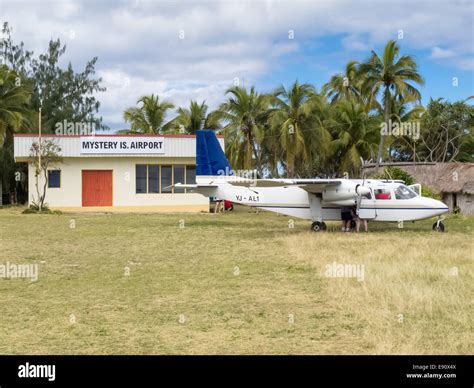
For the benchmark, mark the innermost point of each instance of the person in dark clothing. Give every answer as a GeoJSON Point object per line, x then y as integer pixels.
{"type": "Point", "coordinates": [346, 217]}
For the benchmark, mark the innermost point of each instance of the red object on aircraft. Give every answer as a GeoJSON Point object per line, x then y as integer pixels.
{"type": "Point", "coordinates": [382, 196]}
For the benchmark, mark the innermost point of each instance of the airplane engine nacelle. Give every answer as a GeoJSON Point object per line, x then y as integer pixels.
{"type": "Point", "coordinates": [343, 202]}
{"type": "Point", "coordinates": [344, 194]}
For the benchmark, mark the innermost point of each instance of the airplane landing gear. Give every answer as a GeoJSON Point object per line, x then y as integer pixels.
{"type": "Point", "coordinates": [438, 226]}
{"type": "Point", "coordinates": [318, 226]}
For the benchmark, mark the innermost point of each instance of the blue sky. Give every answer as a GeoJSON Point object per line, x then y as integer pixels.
{"type": "Point", "coordinates": [189, 49]}
{"type": "Point", "coordinates": [317, 62]}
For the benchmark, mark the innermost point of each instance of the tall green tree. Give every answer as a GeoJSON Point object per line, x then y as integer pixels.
{"type": "Point", "coordinates": [356, 136]}
{"type": "Point", "coordinates": [403, 147]}
{"type": "Point", "coordinates": [243, 118]}
{"type": "Point", "coordinates": [15, 115]}
{"type": "Point", "coordinates": [317, 139]}
{"type": "Point", "coordinates": [293, 119]}
{"type": "Point", "coordinates": [15, 111]}
{"type": "Point", "coordinates": [447, 132]}
{"type": "Point", "coordinates": [193, 118]}
{"type": "Point", "coordinates": [344, 86]}
{"type": "Point", "coordinates": [149, 116]}
{"type": "Point", "coordinates": [63, 93]}
{"type": "Point", "coordinates": [389, 76]}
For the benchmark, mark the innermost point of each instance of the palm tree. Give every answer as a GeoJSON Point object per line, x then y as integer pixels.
{"type": "Point", "coordinates": [149, 117]}
{"type": "Point", "coordinates": [317, 138]}
{"type": "Point", "coordinates": [344, 86]}
{"type": "Point", "coordinates": [193, 119]}
{"type": "Point", "coordinates": [355, 136]}
{"type": "Point", "coordinates": [14, 104]}
{"type": "Point", "coordinates": [243, 117]}
{"type": "Point", "coordinates": [390, 75]}
{"type": "Point", "coordinates": [15, 115]}
{"type": "Point", "coordinates": [294, 121]}
{"type": "Point", "coordinates": [403, 147]}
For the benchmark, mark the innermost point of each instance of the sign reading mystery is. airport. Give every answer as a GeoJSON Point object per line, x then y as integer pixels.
{"type": "Point", "coordinates": [122, 145]}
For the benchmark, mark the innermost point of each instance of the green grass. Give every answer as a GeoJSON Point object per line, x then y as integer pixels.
{"type": "Point", "coordinates": [240, 282]}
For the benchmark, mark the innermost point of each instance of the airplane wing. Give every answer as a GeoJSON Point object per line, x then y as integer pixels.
{"type": "Point", "coordinates": [310, 185]}
{"type": "Point", "coordinates": [190, 186]}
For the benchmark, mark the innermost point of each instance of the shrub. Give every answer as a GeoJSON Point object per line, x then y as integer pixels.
{"type": "Point", "coordinates": [429, 192]}
{"type": "Point", "coordinates": [34, 209]}
{"type": "Point", "coordinates": [395, 173]}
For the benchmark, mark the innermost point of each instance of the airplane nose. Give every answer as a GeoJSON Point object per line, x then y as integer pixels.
{"type": "Point", "coordinates": [440, 207]}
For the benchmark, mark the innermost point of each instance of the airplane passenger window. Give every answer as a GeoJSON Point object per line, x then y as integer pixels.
{"type": "Point", "coordinates": [403, 192]}
{"type": "Point", "coordinates": [383, 194]}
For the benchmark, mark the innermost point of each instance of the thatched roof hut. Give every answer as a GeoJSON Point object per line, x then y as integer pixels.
{"type": "Point", "coordinates": [468, 188]}
{"type": "Point", "coordinates": [444, 177]}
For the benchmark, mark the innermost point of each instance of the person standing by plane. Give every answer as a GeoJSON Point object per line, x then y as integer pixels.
{"type": "Point", "coordinates": [346, 218]}
{"type": "Point", "coordinates": [359, 220]}
{"type": "Point", "coordinates": [218, 205]}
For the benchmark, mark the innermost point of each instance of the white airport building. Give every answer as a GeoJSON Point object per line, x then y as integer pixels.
{"type": "Point", "coordinates": [117, 173]}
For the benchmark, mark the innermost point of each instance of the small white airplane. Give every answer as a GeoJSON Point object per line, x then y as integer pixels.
{"type": "Point", "coordinates": [317, 200]}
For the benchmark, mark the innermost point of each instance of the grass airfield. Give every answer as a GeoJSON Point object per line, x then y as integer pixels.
{"type": "Point", "coordinates": [233, 283]}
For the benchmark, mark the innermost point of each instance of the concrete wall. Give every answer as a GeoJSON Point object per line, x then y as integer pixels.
{"type": "Point", "coordinates": [69, 195]}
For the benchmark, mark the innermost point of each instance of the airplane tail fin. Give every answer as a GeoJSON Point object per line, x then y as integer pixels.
{"type": "Point", "coordinates": [210, 158]}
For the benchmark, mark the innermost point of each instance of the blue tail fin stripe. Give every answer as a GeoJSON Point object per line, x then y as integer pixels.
{"type": "Point", "coordinates": [210, 158]}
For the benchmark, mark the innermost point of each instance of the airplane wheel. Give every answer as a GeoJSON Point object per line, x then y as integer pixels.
{"type": "Point", "coordinates": [438, 227]}
{"type": "Point", "coordinates": [318, 226]}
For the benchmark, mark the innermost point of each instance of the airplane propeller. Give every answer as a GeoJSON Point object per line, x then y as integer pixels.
{"type": "Point", "coordinates": [361, 189]}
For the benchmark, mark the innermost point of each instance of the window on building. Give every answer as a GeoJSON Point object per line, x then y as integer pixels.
{"type": "Point", "coordinates": [153, 178]}
{"type": "Point", "coordinates": [140, 174]}
{"type": "Point", "coordinates": [166, 179]}
{"type": "Point", "coordinates": [54, 178]}
{"type": "Point", "coordinates": [178, 175]}
{"type": "Point", "coordinates": [190, 175]}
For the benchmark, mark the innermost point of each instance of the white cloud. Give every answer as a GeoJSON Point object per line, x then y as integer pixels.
{"type": "Point", "coordinates": [355, 43]}
{"type": "Point", "coordinates": [466, 64]}
{"type": "Point", "coordinates": [123, 91]}
{"type": "Point", "coordinates": [439, 53]}
{"type": "Point", "coordinates": [140, 40]}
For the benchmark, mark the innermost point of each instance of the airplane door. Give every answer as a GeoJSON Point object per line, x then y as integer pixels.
{"type": "Point", "coordinates": [367, 207]}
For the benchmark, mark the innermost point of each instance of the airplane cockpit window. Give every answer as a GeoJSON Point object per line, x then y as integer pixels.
{"type": "Point", "coordinates": [403, 192]}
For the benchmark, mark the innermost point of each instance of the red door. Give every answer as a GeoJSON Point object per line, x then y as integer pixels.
{"type": "Point", "coordinates": [96, 187]}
